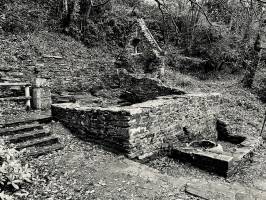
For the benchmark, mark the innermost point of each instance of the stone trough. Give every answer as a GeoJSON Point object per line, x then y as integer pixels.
{"type": "Point", "coordinates": [224, 158]}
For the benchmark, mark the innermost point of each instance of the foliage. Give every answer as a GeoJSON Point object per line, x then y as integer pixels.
{"type": "Point", "coordinates": [130, 3]}
{"type": "Point", "coordinates": [100, 25]}
{"type": "Point", "coordinates": [260, 82]}
{"type": "Point", "coordinates": [13, 174]}
{"type": "Point", "coordinates": [18, 16]}
{"type": "Point", "coordinates": [262, 90]}
{"type": "Point", "coordinates": [125, 61]}
{"type": "Point", "coordinates": [221, 32]}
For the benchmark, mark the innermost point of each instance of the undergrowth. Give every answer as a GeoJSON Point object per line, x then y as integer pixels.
{"type": "Point", "coordinates": [13, 173]}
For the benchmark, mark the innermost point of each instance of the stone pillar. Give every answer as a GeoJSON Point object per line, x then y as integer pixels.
{"type": "Point", "coordinates": [41, 94]}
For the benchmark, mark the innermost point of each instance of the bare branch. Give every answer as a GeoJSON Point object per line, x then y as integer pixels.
{"type": "Point", "coordinates": [201, 10]}
{"type": "Point", "coordinates": [262, 1]}
{"type": "Point", "coordinates": [100, 4]}
{"type": "Point", "coordinates": [162, 4]}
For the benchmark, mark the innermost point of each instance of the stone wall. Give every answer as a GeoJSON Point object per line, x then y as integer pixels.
{"type": "Point", "coordinates": [140, 88]}
{"type": "Point", "coordinates": [144, 129]}
{"type": "Point", "coordinates": [61, 75]}
{"type": "Point", "coordinates": [146, 36]}
{"type": "Point", "coordinates": [149, 58]}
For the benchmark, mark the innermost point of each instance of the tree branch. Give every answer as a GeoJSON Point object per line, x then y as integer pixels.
{"type": "Point", "coordinates": [160, 5]}
{"type": "Point", "coordinates": [262, 1]}
{"type": "Point", "coordinates": [201, 10]}
{"type": "Point", "coordinates": [100, 4]}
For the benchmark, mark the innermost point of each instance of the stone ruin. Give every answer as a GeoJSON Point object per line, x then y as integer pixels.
{"type": "Point", "coordinates": [143, 129]}
{"type": "Point", "coordinates": [184, 127]}
{"type": "Point", "coordinates": [159, 120]}
{"type": "Point", "coordinates": [143, 82]}
{"type": "Point", "coordinates": [147, 55]}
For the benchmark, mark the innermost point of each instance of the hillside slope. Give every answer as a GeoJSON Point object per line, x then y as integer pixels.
{"type": "Point", "coordinates": [68, 64]}
{"type": "Point", "coordinates": [72, 67]}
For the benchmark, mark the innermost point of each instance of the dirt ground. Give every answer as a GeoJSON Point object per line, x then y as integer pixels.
{"type": "Point", "coordinates": [83, 170]}
{"type": "Point", "coordinates": [86, 171]}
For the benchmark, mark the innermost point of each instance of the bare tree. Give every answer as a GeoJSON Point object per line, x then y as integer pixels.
{"type": "Point", "coordinates": [85, 8]}
{"type": "Point", "coordinates": [254, 53]}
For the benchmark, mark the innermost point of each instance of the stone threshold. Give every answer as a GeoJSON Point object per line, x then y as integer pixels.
{"type": "Point", "coordinates": [211, 190]}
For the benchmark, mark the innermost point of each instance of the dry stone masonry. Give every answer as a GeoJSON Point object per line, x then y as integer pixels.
{"type": "Point", "coordinates": [144, 129]}
{"type": "Point", "coordinates": [140, 88]}
{"type": "Point", "coordinates": [147, 54]}
{"type": "Point", "coordinates": [62, 75]}
{"type": "Point", "coordinates": [41, 94]}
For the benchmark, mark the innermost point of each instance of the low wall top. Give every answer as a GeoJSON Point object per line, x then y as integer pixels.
{"type": "Point", "coordinates": [159, 101]}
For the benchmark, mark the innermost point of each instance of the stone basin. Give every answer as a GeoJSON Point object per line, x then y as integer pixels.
{"type": "Point", "coordinates": [223, 157]}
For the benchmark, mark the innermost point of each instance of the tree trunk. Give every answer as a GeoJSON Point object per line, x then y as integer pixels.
{"type": "Point", "coordinates": [252, 66]}
{"type": "Point", "coordinates": [85, 9]}
{"type": "Point", "coordinates": [67, 13]}
{"type": "Point", "coordinates": [251, 71]}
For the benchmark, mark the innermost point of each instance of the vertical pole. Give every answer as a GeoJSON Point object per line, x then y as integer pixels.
{"type": "Point", "coordinates": [27, 95]}
{"type": "Point", "coordinates": [135, 50]}
{"type": "Point", "coordinates": [36, 93]}
{"type": "Point", "coordinates": [136, 35]}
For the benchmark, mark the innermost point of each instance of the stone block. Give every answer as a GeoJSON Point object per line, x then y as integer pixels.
{"type": "Point", "coordinates": [210, 191]}
{"type": "Point", "coordinates": [209, 161]}
{"type": "Point", "coordinates": [221, 162]}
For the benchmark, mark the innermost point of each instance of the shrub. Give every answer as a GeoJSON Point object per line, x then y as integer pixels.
{"type": "Point", "coordinates": [18, 16]}
{"type": "Point", "coordinates": [13, 174]}
{"type": "Point", "coordinates": [260, 83]}
{"type": "Point", "coordinates": [125, 61]}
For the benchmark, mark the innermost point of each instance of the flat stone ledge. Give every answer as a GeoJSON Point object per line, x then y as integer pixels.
{"type": "Point", "coordinates": [210, 190]}
{"type": "Point", "coordinates": [208, 161]}
{"type": "Point", "coordinates": [21, 98]}
{"type": "Point", "coordinates": [138, 107]}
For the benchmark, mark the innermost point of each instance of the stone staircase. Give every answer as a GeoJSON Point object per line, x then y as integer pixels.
{"type": "Point", "coordinates": [31, 133]}
{"type": "Point", "coordinates": [147, 35]}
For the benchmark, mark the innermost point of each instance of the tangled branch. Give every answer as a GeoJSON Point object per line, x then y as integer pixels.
{"type": "Point", "coordinates": [201, 10]}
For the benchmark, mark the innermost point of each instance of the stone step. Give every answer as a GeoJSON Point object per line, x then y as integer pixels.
{"type": "Point", "coordinates": [28, 120]}
{"type": "Point", "coordinates": [23, 137]}
{"type": "Point", "coordinates": [38, 142]}
{"type": "Point", "coordinates": [213, 190]}
{"type": "Point", "coordinates": [10, 79]}
{"type": "Point", "coordinates": [14, 83]}
{"type": "Point", "coordinates": [20, 129]}
{"type": "Point", "coordinates": [21, 98]}
{"type": "Point", "coordinates": [35, 152]}
{"type": "Point", "coordinates": [63, 101]}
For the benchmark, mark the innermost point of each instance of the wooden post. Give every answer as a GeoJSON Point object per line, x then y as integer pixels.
{"type": "Point", "coordinates": [27, 95]}
{"type": "Point", "coordinates": [136, 36]}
